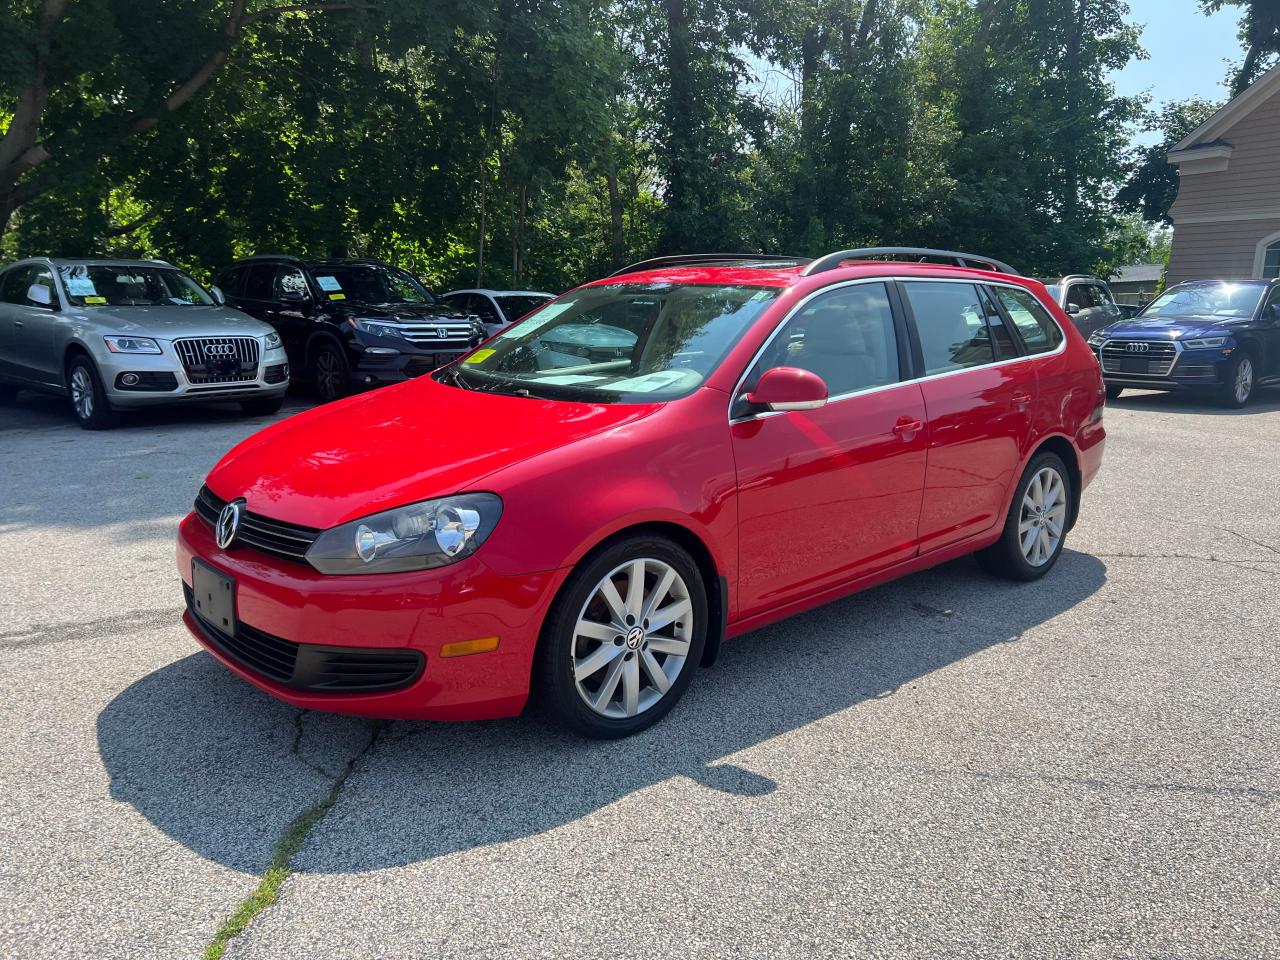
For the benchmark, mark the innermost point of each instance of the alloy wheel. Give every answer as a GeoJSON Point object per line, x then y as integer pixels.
{"type": "Point", "coordinates": [1244, 379]}
{"type": "Point", "coordinates": [632, 638]}
{"type": "Point", "coordinates": [1043, 518]}
{"type": "Point", "coordinates": [328, 374]}
{"type": "Point", "coordinates": [82, 393]}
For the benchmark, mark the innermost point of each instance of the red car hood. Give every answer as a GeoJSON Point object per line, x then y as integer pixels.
{"type": "Point", "coordinates": [398, 445]}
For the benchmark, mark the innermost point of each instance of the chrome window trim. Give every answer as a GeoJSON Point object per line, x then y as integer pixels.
{"type": "Point", "coordinates": [733, 396]}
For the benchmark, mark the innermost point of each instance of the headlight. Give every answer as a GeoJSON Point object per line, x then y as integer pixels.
{"type": "Point", "coordinates": [1097, 338]}
{"type": "Point", "coordinates": [273, 341]}
{"type": "Point", "coordinates": [132, 345]}
{"type": "Point", "coordinates": [415, 537]}
{"type": "Point", "coordinates": [1206, 342]}
{"type": "Point", "coordinates": [377, 328]}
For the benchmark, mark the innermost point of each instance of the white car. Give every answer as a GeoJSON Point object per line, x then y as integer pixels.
{"type": "Point", "coordinates": [497, 308]}
{"type": "Point", "coordinates": [120, 334]}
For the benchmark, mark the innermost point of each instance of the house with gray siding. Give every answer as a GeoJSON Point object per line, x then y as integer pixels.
{"type": "Point", "coordinates": [1227, 215]}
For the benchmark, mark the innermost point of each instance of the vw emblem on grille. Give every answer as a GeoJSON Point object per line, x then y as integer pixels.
{"type": "Point", "coordinates": [442, 333]}
{"type": "Point", "coordinates": [229, 523]}
{"type": "Point", "coordinates": [1137, 347]}
{"type": "Point", "coordinates": [219, 350]}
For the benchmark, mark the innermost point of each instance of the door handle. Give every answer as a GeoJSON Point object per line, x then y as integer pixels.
{"type": "Point", "coordinates": [17, 323]}
{"type": "Point", "coordinates": [1021, 399]}
{"type": "Point", "coordinates": [907, 427]}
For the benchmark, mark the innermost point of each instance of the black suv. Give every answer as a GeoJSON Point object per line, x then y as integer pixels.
{"type": "Point", "coordinates": [349, 323]}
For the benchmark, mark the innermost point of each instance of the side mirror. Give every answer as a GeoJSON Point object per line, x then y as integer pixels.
{"type": "Point", "coordinates": [788, 388]}
{"type": "Point", "coordinates": [40, 295]}
{"type": "Point", "coordinates": [219, 297]}
{"type": "Point", "coordinates": [292, 297]}
{"type": "Point", "coordinates": [1072, 309]}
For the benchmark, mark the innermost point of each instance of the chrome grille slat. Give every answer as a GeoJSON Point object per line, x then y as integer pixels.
{"type": "Point", "coordinates": [192, 352]}
{"type": "Point", "coordinates": [1161, 355]}
{"type": "Point", "coordinates": [275, 537]}
{"type": "Point", "coordinates": [428, 334]}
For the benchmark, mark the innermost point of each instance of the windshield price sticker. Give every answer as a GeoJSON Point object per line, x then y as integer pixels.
{"type": "Point", "coordinates": [337, 296]}
{"type": "Point", "coordinates": [93, 299]}
{"type": "Point", "coordinates": [80, 287]}
{"type": "Point", "coordinates": [480, 356]}
{"type": "Point", "coordinates": [328, 284]}
{"type": "Point", "coordinates": [543, 316]}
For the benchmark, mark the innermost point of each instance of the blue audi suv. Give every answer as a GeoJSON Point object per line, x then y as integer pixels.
{"type": "Point", "coordinates": [1217, 335]}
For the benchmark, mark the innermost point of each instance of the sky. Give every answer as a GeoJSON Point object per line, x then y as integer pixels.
{"type": "Point", "coordinates": [1189, 52]}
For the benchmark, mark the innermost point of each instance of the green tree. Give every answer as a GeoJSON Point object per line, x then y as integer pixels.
{"type": "Point", "coordinates": [1259, 35]}
{"type": "Point", "coordinates": [1152, 183]}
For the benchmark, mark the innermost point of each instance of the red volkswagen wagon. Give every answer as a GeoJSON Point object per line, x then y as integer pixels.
{"type": "Point", "coordinates": [588, 504]}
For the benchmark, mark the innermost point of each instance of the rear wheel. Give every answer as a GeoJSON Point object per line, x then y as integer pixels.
{"type": "Point", "coordinates": [624, 638]}
{"type": "Point", "coordinates": [88, 398]}
{"type": "Point", "coordinates": [1036, 527]}
{"type": "Point", "coordinates": [329, 371]}
{"type": "Point", "coordinates": [1113, 392]}
{"type": "Point", "coordinates": [1237, 386]}
{"type": "Point", "coordinates": [262, 407]}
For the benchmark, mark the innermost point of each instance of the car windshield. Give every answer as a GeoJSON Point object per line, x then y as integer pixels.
{"type": "Point", "coordinates": [372, 283]}
{"type": "Point", "coordinates": [515, 306]}
{"type": "Point", "coordinates": [129, 285]}
{"type": "Point", "coordinates": [1207, 300]}
{"type": "Point", "coordinates": [620, 343]}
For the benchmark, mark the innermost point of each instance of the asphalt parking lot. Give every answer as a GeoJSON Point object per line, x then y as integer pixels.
{"type": "Point", "coordinates": [948, 766]}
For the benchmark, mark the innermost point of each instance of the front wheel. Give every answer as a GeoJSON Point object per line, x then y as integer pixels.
{"type": "Point", "coordinates": [624, 638]}
{"type": "Point", "coordinates": [1237, 385]}
{"type": "Point", "coordinates": [329, 371]}
{"type": "Point", "coordinates": [88, 398]}
{"type": "Point", "coordinates": [1036, 527]}
{"type": "Point", "coordinates": [1113, 392]}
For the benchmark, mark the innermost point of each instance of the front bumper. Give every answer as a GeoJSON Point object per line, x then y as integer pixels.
{"type": "Point", "coordinates": [1191, 370]}
{"type": "Point", "coordinates": [384, 360]}
{"type": "Point", "coordinates": [163, 380]}
{"type": "Point", "coordinates": [414, 612]}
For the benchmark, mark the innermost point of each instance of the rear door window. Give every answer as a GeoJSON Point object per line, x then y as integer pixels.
{"type": "Point", "coordinates": [13, 286]}
{"type": "Point", "coordinates": [260, 283]}
{"type": "Point", "coordinates": [1036, 328]}
{"type": "Point", "coordinates": [1001, 339]}
{"type": "Point", "coordinates": [951, 322]}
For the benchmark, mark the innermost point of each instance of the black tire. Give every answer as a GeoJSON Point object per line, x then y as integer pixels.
{"type": "Point", "coordinates": [262, 406]}
{"type": "Point", "coordinates": [555, 687]}
{"type": "Point", "coordinates": [1114, 391]}
{"type": "Point", "coordinates": [89, 401]}
{"type": "Point", "coordinates": [1233, 392]}
{"type": "Point", "coordinates": [1005, 558]}
{"type": "Point", "coordinates": [330, 372]}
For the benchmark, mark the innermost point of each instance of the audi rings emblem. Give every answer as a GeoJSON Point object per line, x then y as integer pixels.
{"type": "Point", "coordinates": [1137, 347]}
{"type": "Point", "coordinates": [219, 349]}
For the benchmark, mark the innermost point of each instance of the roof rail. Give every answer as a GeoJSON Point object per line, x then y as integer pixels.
{"type": "Point", "coordinates": [271, 256]}
{"type": "Point", "coordinates": [833, 260]}
{"type": "Point", "coordinates": [692, 259]}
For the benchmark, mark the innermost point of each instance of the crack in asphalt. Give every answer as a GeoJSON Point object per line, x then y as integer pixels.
{"type": "Point", "coordinates": [267, 892]}
{"type": "Point", "coordinates": [1245, 563]}
{"type": "Point", "coordinates": [79, 630]}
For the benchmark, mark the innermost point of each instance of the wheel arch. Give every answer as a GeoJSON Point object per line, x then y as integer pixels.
{"type": "Point", "coordinates": [717, 583]}
{"type": "Point", "coordinates": [1066, 452]}
{"type": "Point", "coordinates": [73, 349]}
{"type": "Point", "coordinates": [313, 343]}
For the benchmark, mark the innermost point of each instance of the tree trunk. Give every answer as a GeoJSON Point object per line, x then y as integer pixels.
{"type": "Point", "coordinates": [680, 123]}
{"type": "Point", "coordinates": [617, 239]}
{"type": "Point", "coordinates": [1068, 145]}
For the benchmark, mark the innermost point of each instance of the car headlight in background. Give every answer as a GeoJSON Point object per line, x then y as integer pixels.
{"type": "Point", "coordinates": [1097, 338]}
{"type": "Point", "coordinates": [132, 345]}
{"type": "Point", "coordinates": [376, 328]}
{"type": "Point", "coordinates": [273, 341]}
{"type": "Point", "coordinates": [1203, 343]}
{"type": "Point", "coordinates": [414, 537]}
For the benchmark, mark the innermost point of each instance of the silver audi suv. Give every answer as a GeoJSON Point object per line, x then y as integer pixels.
{"type": "Point", "coordinates": [116, 334]}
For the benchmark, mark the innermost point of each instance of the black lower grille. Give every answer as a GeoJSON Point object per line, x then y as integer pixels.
{"type": "Point", "coordinates": [288, 541]}
{"type": "Point", "coordinates": [147, 381]}
{"type": "Point", "coordinates": [276, 373]}
{"type": "Point", "coordinates": [310, 666]}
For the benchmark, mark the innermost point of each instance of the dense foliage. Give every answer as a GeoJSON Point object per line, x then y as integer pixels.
{"type": "Point", "coordinates": [540, 142]}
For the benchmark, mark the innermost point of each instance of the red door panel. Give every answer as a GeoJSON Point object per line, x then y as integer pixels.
{"type": "Point", "coordinates": [827, 495]}
{"type": "Point", "coordinates": [979, 427]}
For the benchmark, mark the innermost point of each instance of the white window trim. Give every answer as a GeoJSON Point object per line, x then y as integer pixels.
{"type": "Point", "coordinates": [1260, 252]}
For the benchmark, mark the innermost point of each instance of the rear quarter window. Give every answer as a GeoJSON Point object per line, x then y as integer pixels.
{"type": "Point", "coordinates": [1038, 331]}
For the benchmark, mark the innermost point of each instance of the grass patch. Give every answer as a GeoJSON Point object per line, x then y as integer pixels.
{"type": "Point", "coordinates": [281, 867]}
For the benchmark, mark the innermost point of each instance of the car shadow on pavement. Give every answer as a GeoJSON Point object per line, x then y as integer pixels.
{"type": "Point", "coordinates": [1265, 400]}
{"type": "Point", "coordinates": [184, 745]}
